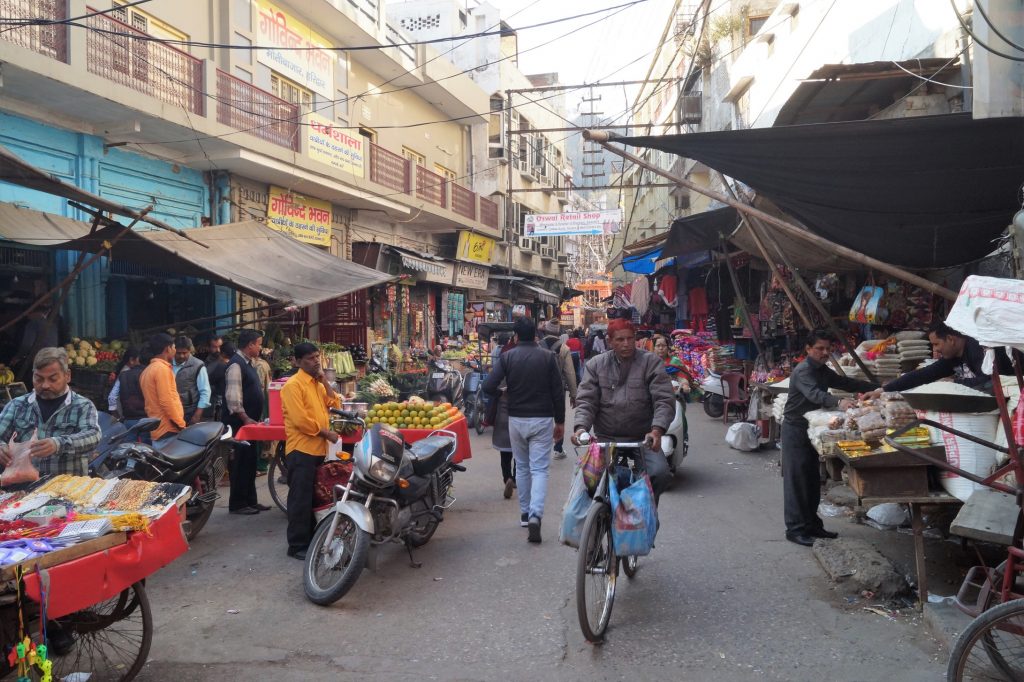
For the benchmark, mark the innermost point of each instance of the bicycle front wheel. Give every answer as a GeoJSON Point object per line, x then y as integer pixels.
{"type": "Point", "coordinates": [992, 646]}
{"type": "Point", "coordinates": [596, 570]}
{"type": "Point", "coordinates": [277, 479]}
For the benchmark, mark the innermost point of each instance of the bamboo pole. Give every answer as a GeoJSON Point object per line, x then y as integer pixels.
{"type": "Point", "coordinates": [602, 138]}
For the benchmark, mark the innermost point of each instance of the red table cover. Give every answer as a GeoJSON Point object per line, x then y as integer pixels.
{"type": "Point", "coordinates": [460, 427]}
{"type": "Point", "coordinates": [91, 579]}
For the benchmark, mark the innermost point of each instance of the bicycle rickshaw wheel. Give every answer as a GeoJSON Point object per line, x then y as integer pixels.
{"type": "Point", "coordinates": [630, 564]}
{"type": "Point", "coordinates": [478, 414]}
{"type": "Point", "coordinates": [277, 479]}
{"type": "Point", "coordinates": [596, 571]}
{"type": "Point", "coordinates": [992, 646]}
{"type": "Point", "coordinates": [115, 651]}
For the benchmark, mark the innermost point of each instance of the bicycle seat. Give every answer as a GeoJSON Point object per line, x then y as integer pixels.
{"type": "Point", "coordinates": [191, 443]}
{"type": "Point", "coordinates": [430, 453]}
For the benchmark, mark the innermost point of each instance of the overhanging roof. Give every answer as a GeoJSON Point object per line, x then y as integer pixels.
{"type": "Point", "coordinates": [248, 256]}
{"type": "Point", "coordinates": [543, 294]}
{"type": "Point", "coordinates": [924, 192]}
{"type": "Point", "coordinates": [855, 92]}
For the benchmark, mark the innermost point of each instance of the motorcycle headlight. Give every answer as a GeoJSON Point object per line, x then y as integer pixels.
{"type": "Point", "coordinates": [382, 471]}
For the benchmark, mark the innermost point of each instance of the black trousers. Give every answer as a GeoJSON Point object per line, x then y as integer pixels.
{"type": "Point", "coordinates": [508, 465]}
{"type": "Point", "coordinates": [243, 477]}
{"type": "Point", "coordinates": [301, 480]}
{"type": "Point", "coordinates": [801, 480]}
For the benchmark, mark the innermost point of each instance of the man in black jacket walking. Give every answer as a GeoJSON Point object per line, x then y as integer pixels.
{"type": "Point", "coordinates": [536, 409]}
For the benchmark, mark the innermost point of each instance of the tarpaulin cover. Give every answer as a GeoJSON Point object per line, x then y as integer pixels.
{"type": "Point", "coordinates": [922, 192]}
{"type": "Point", "coordinates": [700, 231]}
{"type": "Point", "coordinates": [81, 583]}
{"type": "Point", "coordinates": [642, 263]}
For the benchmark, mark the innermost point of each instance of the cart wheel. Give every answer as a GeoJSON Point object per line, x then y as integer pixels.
{"type": "Point", "coordinates": [992, 646]}
{"type": "Point", "coordinates": [277, 479]}
{"type": "Point", "coordinates": [596, 570]}
{"type": "Point", "coordinates": [116, 651]}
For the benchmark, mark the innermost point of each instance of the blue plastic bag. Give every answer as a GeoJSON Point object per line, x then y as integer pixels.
{"type": "Point", "coordinates": [634, 517]}
{"type": "Point", "coordinates": [575, 511]}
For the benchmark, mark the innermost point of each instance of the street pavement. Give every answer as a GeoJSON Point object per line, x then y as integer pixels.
{"type": "Point", "coordinates": [723, 596]}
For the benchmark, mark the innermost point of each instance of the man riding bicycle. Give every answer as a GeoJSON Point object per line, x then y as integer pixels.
{"type": "Point", "coordinates": [627, 396]}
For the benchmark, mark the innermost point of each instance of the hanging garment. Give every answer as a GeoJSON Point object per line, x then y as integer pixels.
{"type": "Point", "coordinates": [667, 290]}
{"type": "Point", "coordinates": [640, 294]}
{"type": "Point", "coordinates": [698, 302]}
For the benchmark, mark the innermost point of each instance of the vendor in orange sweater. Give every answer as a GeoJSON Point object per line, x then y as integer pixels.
{"type": "Point", "coordinates": [305, 401]}
{"type": "Point", "coordinates": [160, 392]}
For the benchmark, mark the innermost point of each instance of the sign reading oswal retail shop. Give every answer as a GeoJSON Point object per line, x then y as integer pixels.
{"type": "Point", "coordinates": [305, 59]}
{"type": "Point", "coordinates": [475, 247]}
{"type": "Point", "coordinates": [307, 220]}
{"type": "Point", "coordinates": [327, 143]}
{"type": "Point", "coordinates": [566, 224]}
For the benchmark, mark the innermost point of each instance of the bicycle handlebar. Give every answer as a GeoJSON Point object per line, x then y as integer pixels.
{"type": "Point", "coordinates": [586, 439]}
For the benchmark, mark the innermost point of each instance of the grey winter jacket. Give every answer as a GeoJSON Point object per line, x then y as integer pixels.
{"type": "Point", "coordinates": [628, 410]}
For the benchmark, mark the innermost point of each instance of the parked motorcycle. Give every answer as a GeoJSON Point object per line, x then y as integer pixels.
{"type": "Point", "coordinates": [197, 457]}
{"type": "Point", "coordinates": [715, 393]}
{"type": "Point", "coordinates": [445, 383]}
{"type": "Point", "coordinates": [476, 400]}
{"type": "Point", "coordinates": [397, 493]}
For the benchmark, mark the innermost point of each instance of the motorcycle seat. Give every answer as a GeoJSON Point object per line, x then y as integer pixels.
{"type": "Point", "coordinates": [191, 443]}
{"type": "Point", "coordinates": [430, 453]}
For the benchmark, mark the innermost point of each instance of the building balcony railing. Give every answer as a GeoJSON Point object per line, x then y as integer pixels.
{"type": "Point", "coordinates": [489, 213]}
{"type": "Point", "coordinates": [46, 39]}
{"type": "Point", "coordinates": [243, 106]}
{"type": "Point", "coordinates": [463, 201]}
{"type": "Point", "coordinates": [147, 66]}
{"type": "Point", "coordinates": [431, 187]}
{"type": "Point", "coordinates": [389, 169]}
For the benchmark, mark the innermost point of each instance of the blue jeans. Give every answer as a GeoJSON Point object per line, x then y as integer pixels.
{"type": "Point", "coordinates": [531, 448]}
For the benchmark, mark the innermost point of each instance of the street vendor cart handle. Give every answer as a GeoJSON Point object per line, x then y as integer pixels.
{"type": "Point", "coordinates": [890, 440]}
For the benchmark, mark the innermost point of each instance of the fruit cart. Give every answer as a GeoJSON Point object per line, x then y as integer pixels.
{"type": "Point", "coordinates": [89, 600]}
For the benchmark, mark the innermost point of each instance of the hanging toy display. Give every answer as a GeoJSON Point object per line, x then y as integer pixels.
{"type": "Point", "coordinates": [26, 654]}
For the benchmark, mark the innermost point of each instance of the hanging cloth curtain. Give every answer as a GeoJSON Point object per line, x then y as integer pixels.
{"type": "Point", "coordinates": [641, 294]}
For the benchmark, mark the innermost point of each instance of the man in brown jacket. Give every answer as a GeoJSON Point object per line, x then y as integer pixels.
{"type": "Point", "coordinates": [626, 395]}
{"type": "Point", "coordinates": [553, 343]}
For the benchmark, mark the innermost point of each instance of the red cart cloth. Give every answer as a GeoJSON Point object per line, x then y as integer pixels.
{"type": "Point", "coordinates": [91, 579]}
{"type": "Point", "coordinates": [257, 432]}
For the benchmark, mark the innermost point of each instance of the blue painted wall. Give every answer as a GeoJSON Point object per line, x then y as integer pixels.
{"type": "Point", "coordinates": [180, 197]}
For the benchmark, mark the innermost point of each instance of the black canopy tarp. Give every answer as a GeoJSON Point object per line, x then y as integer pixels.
{"type": "Point", "coordinates": [924, 192]}
{"type": "Point", "coordinates": [699, 232]}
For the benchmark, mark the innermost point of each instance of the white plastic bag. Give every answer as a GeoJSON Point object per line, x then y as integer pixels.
{"type": "Point", "coordinates": [889, 514]}
{"type": "Point", "coordinates": [743, 436]}
{"type": "Point", "coordinates": [21, 469]}
{"type": "Point", "coordinates": [962, 453]}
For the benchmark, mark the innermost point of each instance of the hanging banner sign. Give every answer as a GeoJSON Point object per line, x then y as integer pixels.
{"type": "Point", "coordinates": [308, 66]}
{"type": "Point", "coordinates": [569, 224]}
{"type": "Point", "coordinates": [441, 273]}
{"type": "Point", "coordinates": [475, 247]}
{"type": "Point", "coordinates": [304, 219]}
{"type": "Point", "coordinates": [470, 276]}
{"type": "Point", "coordinates": [327, 143]}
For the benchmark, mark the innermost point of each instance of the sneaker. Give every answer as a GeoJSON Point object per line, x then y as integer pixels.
{"type": "Point", "coordinates": [534, 525]}
{"type": "Point", "coordinates": [524, 520]}
{"type": "Point", "coordinates": [559, 454]}
{"type": "Point", "coordinates": [508, 488]}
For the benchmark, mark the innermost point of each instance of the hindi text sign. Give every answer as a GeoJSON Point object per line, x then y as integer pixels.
{"type": "Point", "coordinates": [304, 58]}
{"type": "Point", "coordinates": [304, 219]}
{"type": "Point", "coordinates": [329, 144]}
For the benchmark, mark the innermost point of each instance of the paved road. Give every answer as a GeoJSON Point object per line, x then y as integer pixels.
{"type": "Point", "coordinates": [722, 597]}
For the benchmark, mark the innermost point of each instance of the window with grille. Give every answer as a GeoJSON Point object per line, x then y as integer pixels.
{"type": "Point", "coordinates": [445, 173]}
{"type": "Point", "coordinates": [291, 92]}
{"type": "Point", "coordinates": [414, 156]}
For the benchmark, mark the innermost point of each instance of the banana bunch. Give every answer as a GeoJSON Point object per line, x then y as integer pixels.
{"type": "Point", "coordinates": [6, 375]}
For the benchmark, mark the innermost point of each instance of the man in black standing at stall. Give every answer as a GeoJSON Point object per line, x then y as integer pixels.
{"type": "Point", "coordinates": [801, 477]}
{"type": "Point", "coordinates": [243, 397]}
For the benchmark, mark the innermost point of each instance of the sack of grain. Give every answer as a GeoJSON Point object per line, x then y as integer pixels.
{"type": "Point", "coordinates": [962, 453]}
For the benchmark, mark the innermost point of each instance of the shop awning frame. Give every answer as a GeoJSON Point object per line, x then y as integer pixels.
{"type": "Point", "coordinates": [419, 262]}
{"type": "Point", "coordinates": [543, 295]}
{"type": "Point", "coordinates": [247, 256]}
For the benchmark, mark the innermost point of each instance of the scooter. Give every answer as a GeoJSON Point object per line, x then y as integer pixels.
{"type": "Point", "coordinates": [715, 393]}
{"type": "Point", "coordinates": [396, 493]}
{"type": "Point", "coordinates": [196, 458]}
{"type": "Point", "coordinates": [445, 383]}
{"type": "Point", "coordinates": [675, 443]}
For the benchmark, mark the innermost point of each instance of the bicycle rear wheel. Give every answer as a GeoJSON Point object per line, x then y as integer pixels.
{"type": "Point", "coordinates": [992, 646]}
{"type": "Point", "coordinates": [596, 571]}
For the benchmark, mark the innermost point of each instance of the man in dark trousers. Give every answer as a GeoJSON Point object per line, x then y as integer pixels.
{"type": "Point", "coordinates": [536, 409]}
{"type": "Point", "coordinates": [243, 398]}
{"type": "Point", "coordinates": [801, 478]}
{"type": "Point", "coordinates": [306, 401]}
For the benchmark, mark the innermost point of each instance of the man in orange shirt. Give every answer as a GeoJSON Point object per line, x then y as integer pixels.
{"type": "Point", "coordinates": [160, 391]}
{"type": "Point", "coordinates": [305, 401]}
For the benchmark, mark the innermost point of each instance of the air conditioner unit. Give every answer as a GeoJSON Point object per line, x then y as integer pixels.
{"type": "Point", "coordinates": [690, 108]}
{"type": "Point", "coordinates": [562, 260]}
{"type": "Point", "coordinates": [548, 252]}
